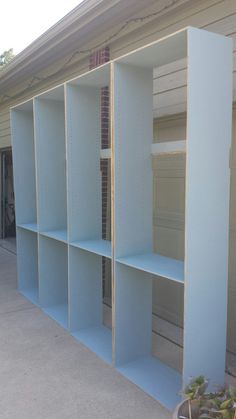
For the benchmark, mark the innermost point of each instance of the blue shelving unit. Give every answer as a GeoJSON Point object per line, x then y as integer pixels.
{"type": "Point", "coordinates": [57, 149]}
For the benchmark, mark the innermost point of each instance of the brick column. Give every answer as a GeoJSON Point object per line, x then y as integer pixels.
{"type": "Point", "coordinates": [98, 58]}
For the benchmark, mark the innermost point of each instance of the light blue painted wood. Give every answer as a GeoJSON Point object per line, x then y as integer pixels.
{"type": "Point", "coordinates": [53, 276]}
{"type": "Point", "coordinates": [133, 314]}
{"type": "Point", "coordinates": [79, 196]}
{"type": "Point", "coordinates": [96, 78]}
{"type": "Point", "coordinates": [209, 121]}
{"type": "Point", "coordinates": [31, 294]}
{"type": "Point", "coordinates": [83, 132]}
{"type": "Point", "coordinates": [27, 260]}
{"type": "Point", "coordinates": [49, 119]}
{"type": "Point", "coordinates": [29, 226]}
{"type": "Point", "coordinates": [22, 136]}
{"type": "Point", "coordinates": [133, 134]}
{"type": "Point", "coordinates": [58, 313]}
{"type": "Point", "coordinates": [99, 247]}
{"type": "Point", "coordinates": [158, 53]}
{"type": "Point", "coordinates": [85, 302]}
{"type": "Point", "coordinates": [98, 340]}
{"type": "Point", "coordinates": [155, 378]}
{"type": "Point", "coordinates": [85, 289]}
{"type": "Point", "coordinates": [156, 264]}
{"type": "Point", "coordinates": [60, 235]}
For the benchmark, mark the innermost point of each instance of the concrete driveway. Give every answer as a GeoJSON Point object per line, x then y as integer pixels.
{"type": "Point", "coordinates": [46, 374]}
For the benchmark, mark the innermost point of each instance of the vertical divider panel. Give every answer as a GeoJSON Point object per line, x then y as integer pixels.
{"type": "Point", "coordinates": [132, 208]}
{"type": "Point", "coordinates": [207, 204]}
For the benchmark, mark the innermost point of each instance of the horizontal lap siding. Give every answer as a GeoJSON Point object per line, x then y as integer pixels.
{"type": "Point", "coordinates": [5, 137]}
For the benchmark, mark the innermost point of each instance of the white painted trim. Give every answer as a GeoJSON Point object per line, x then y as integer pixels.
{"type": "Point", "coordinates": [105, 153]}
{"type": "Point", "coordinates": [169, 147]}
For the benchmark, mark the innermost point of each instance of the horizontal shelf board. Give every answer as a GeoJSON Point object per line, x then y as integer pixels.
{"type": "Point", "coordinates": [155, 378]}
{"type": "Point", "coordinates": [60, 235]}
{"type": "Point", "coordinates": [31, 294]}
{"type": "Point", "coordinates": [58, 313]}
{"type": "Point", "coordinates": [157, 265]}
{"type": "Point", "coordinates": [168, 49]}
{"type": "Point", "coordinates": [99, 247]}
{"type": "Point", "coordinates": [29, 226]}
{"type": "Point", "coordinates": [98, 339]}
{"type": "Point", "coordinates": [105, 153]}
{"type": "Point", "coordinates": [169, 147]}
{"type": "Point", "coordinates": [97, 77]}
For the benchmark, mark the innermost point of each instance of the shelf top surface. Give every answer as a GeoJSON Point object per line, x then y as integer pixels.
{"type": "Point", "coordinates": [60, 235]}
{"type": "Point", "coordinates": [98, 77]}
{"type": "Point", "coordinates": [157, 379]}
{"type": "Point", "coordinates": [26, 106]}
{"type": "Point", "coordinates": [98, 339]}
{"type": "Point", "coordinates": [29, 226]}
{"type": "Point", "coordinates": [155, 264]}
{"type": "Point", "coordinates": [166, 50]}
{"type": "Point", "coordinates": [100, 247]}
{"type": "Point", "coordinates": [56, 93]}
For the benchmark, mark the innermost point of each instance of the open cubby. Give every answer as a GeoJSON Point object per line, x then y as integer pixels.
{"type": "Point", "coordinates": [65, 126]}
{"type": "Point", "coordinates": [83, 114]}
{"type": "Point", "coordinates": [27, 264]}
{"type": "Point", "coordinates": [53, 279]}
{"type": "Point", "coordinates": [86, 306]}
{"type": "Point", "coordinates": [24, 165]}
{"type": "Point", "coordinates": [51, 163]}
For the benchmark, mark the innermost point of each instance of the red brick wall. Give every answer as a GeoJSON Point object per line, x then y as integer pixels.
{"type": "Point", "coordinates": [97, 58]}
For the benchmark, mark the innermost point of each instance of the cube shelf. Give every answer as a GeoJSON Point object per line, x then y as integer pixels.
{"type": "Point", "coordinates": [27, 264]}
{"type": "Point", "coordinates": [57, 152]}
{"type": "Point", "coordinates": [49, 109]}
{"type": "Point", "coordinates": [86, 308]}
{"type": "Point", "coordinates": [99, 247]}
{"type": "Point", "coordinates": [29, 226]}
{"type": "Point", "coordinates": [157, 265]}
{"type": "Point", "coordinates": [23, 143]}
{"type": "Point", "coordinates": [53, 279]}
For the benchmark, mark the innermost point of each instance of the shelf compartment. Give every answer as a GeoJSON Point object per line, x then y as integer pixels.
{"type": "Point", "coordinates": [51, 160]}
{"type": "Point", "coordinates": [60, 235]}
{"type": "Point", "coordinates": [98, 339]}
{"type": "Point", "coordinates": [27, 262]}
{"type": "Point", "coordinates": [86, 305]}
{"type": "Point", "coordinates": [29, 226]}
{"type": "Point", "coordinates": [83, 131]}
{"type": "Point", "coordinates": [53, 279]}
{"type": "Point", "coordinates": [155, 264]}
{"type": "Point", "coordinates": [22, 133]}
{"type": "Point", "coordinates": [99, 247]}
{"type": "Point", "coordinates": [155, 378]}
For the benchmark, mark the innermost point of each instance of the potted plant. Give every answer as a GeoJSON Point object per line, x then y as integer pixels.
{"type": "Point", "coordinates": [200, 404]}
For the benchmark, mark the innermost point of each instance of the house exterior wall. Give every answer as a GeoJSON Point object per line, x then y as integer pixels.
{"type": "Point", "coordinates": [170, 94]}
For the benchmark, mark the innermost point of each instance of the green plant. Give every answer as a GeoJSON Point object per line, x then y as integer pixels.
{"type": "Point", "coordinates": [208, 405]}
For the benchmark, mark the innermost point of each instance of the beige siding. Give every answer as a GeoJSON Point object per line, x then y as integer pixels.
{"type": "Point", "coordinates": [169, 98]}
{"type": "Point", "coordinates": [5, 138]}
